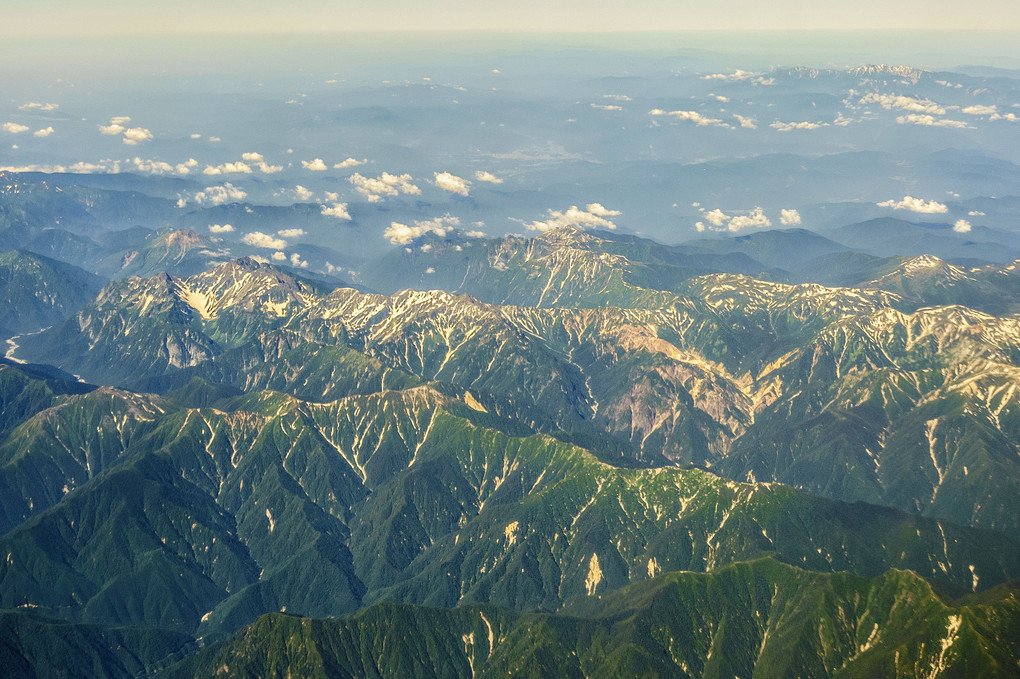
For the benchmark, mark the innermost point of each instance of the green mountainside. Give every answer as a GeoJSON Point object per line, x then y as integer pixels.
{"type": "Point", "coordinates": [614, 460]}
{"type": "Point", "coordinates": [759, 618]}
{"type": "Point", "coordinates": [36, 291]}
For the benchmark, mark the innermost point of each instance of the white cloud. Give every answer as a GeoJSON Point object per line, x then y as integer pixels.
{"type": "Point", "coordinates": [279, 256]}
{"type": "Point", "coordinates": [902, 103]}
{"type": "Point", "coordinates": [929, 121]}
{"type": "Point", "coordinates": [719, 97]}
{"type": "Point", "coordinates": [616, 97]}
{"type": "Point", "coordinates": [474, 233]}
{"type": "Point", "coordinates": [135, 135]}
{"type": "Point", "coordinates": [349, 162]}
{"type": "Point", "coordinates": [720, 221]}
{"type": "Point", "coordinates": [1011, 117]}
{"type": "Point", "coordinates": [430, 270]}
{"type": "Point", "coordinates": [220, 228]}
{"type": "Point", "coordinates": [427, 247]}
{"type": "Point", "coordinates": [296, 261]}
{"type": "Point", "coordinates": [185, 168]}
{"type": "Point", "coordinates": [749, 123]}
{"type": "Point", "coordinates": [978, 110]}
{"type": "Point", "coordinates": [484, 176]}
{"type": "Point", "coordinates": [152, 166]}
{"type": "Point", "coordinates": [452, 183]}
{"type": "Point", "coordinates": [14, 128]}
{"type": "Point", "coordinates": [716, 217]}
{"type": "Point", "coordinates": [111, 129]}
{"type": "Point", "coordinates": [34, 105]}
{"type": "Point", "coordinates": [260, 259]}
{"type": "Point", "coordinates": [218, 195]}
{"type": "Point", "coordinates": [607, 107]}
{"type": "Point", "coordinates": [915, 205]}
{"type": "Point", "coordinates": [790, 217]}
{"type": "Point", "coordinates": [338, 210]}
{"type": "Point", "coordinates": [386, 184]}
{"type": "Point", "coordinates": [44, 132]}
{"type": "Point", "coordinates": [961, 226]}
{"type": "Point", "coordinates": [975, 213]}
{"type": "Point", "coordinates": [195, 135]}
{"type": "Point", "coordinates": [214, 139]}
{"type": "Point", "coordinates": [291, 233]}
{"type": "Point", "coordinates": [756, 218]}
{"type": "Point", "coordinates": [120, 120]}
{"type": "Point", "coordinates": [804, 125]}
{"type": "Point", "coordinates": [402, 234]}
{"type": "Point", "coordinates": [736, 75]}
{"type": "Point", "coordinates": [263, 240]}
{"type": "Point", "coordinates": [330, 196]}
{"type": "Point", "coordinates": [259, 161]}
{"type": "Point", "coordinates": [693, 116]}
{"type": "Point", "coordinates": [317, 165]}
{"type": "Point", "coordinates": [592, 216]}
{"type": "Point", "coordinates": [228, 168]}
{"type": "Point", "coordinates": [302, 193]}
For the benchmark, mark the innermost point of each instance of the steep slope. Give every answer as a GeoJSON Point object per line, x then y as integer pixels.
{"type": "Point", "coordinates": [36, 291]}
{"type": "Point", "coordinates": [759, 618]}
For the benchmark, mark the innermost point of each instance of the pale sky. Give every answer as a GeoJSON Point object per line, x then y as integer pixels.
{"type": "Point", "coordinates": [39, 18]}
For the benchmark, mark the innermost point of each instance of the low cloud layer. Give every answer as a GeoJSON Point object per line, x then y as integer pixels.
{"type": "Point", "coordinates": [402, 234]}
{"type": "Point", "coordinates": [338, 210]}
{"type": "Point", "coordinates": [593, 215]}
{"type": "Point", "coordinates": [376, 188]}
{"type": "Point", "coordinates": [717, 220]}
{"type": "Point", "coordinates": [916, 205]}
{"type": "Point", "coordinates": [452, 183]}
{"type": "Point", "coordinates": [263, 240]}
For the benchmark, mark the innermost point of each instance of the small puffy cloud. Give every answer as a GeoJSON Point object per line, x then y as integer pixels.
{"type": "Point", "coordinates": [14, 128]}
{"type": "Point", "coordinates": [975, 213]}
{"type": "Point", "coordinates": [44, 132]}
{"type": "Point", "coordinates": [291, 233]}
{"type": "Point", "coordinates": [338, 210]}
{"type": "Point", "coordinates": [902, 103]}
{"type": "Point", "coordinates": [692, 116]}
{"type": "Point", "coordinates": [117, 126]}
{"type": "Point", "coordinates": [259, 161]}
{"type": "Point", "coordinates": [716, 217]}
{"type": "Point", "coordinates": [474, 233]}
{"type": "Point", "coordinates": [720, 221]}
{"type": "Point", "coordinates": [120, 120]}
{"type": "Point", "coordinates": [296, 261]}
{"type": "Point", "coordinates": [330, 196]}
{"type": "Point", "coordinates": [929, 121]}
{"type": "Point", "coordinates": [427, 247]}
{"type": "Point", "coordinates": [263, 240]}
{"type": "Point", "coordinates": [195, 135]}
{"type": "Point", "coordinates": [736, 75]}
{"type": "Point", "coordinates": [790, 217]}
{"type": "Point", "coordinates": [227, 168]}
{"type": "Point", "coordinates": [452, 183]}
{"type": "Point", "coordinates": [221, 228]}
{"type": "Point", "coordinates": [386, 184]}
{"type": "Point", "coordinates": [961, 226]}
{"type": "Point", "coordinates": [607, 107]}
{"type": "Point", "coordinates": [592, 216]}
{"type": "Point", "coordinates": [37, 106]}
{"type": "Point", "coordinates": [302, 193]}
{"type": "Point", "coordinates": [279, 256]}
{"type": "Point", "coordinates": [185, 167]}
{"type": "Point", "coordinates": [152, 166]}
{"type": "Point", "coordinates": [1011, 117]}
{"type": "Point", "coordinates": [756, 218]}
{"type": "Point", "coordinates": [484, 176]}
{"type": "Point", "coordinates": [136, 135]}
{"type": "Point", "coordinates": [349, 162]}
{"type": "Point", "coordinates": [218, 195]}
{"type": "Point", "coordinates": [317, 165]}
{"type": "Point", "coordinates": [402, 234]}
{"type": "Point", "coordinates": [805, 125]}
{"type": "Point", "coordinates": [719, 97]}
{"type": "Point", "coordinates": [915, 205]}
{"type": "Point", "coordinates": [749, 123]}
{"type": "Point", "coordinates": [978, 110]}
